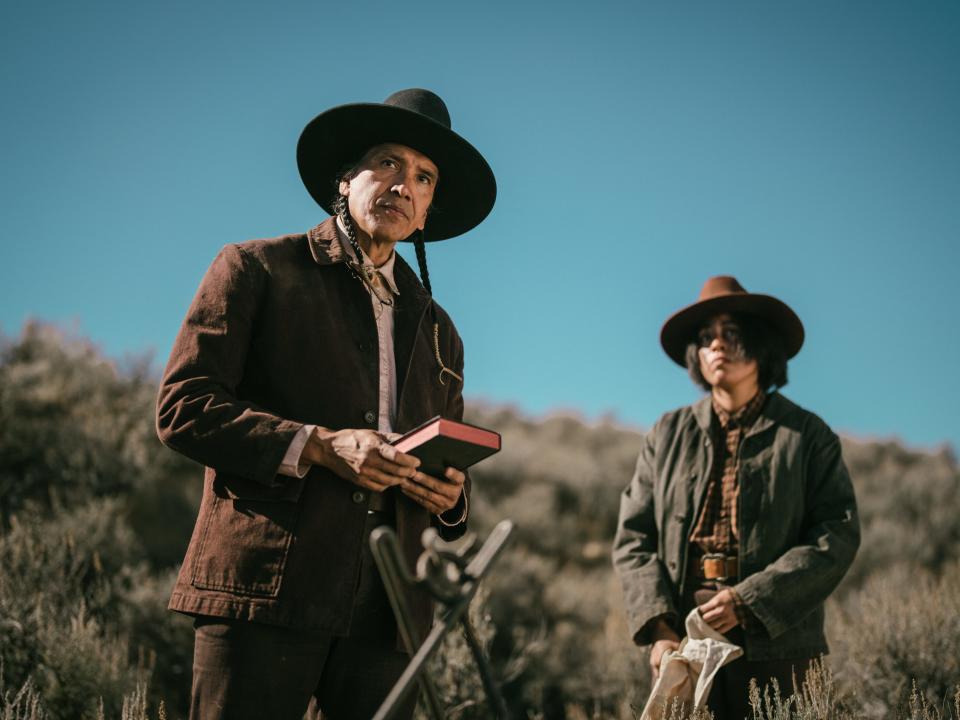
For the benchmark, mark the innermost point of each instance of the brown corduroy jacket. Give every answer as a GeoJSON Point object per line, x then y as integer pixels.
{"type": "Point", "coordinates": [280, 335]}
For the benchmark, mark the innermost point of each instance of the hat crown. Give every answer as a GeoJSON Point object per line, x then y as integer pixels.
{"type": "Point", "coordinates": [720, 285]}
{"type": "Point", "coordinates": [422, 102]}
{"type": "Point", "coordinates": [415, 118]}
{"type": "Point", "coordinates": [724, 294]}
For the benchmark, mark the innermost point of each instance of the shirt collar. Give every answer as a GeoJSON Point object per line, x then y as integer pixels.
{"type": "Point", "coordinates": [385, 270]}
{"type": "Point", "coordinates": [745, 416]}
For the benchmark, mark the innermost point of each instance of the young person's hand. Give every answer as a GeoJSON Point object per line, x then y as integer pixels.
{"type": "Point", "coordinates": [664, 639]}
{"type": "Point", "coordinates": [361, 456]}
{"type": "Point", "coordinates": [720, 611]}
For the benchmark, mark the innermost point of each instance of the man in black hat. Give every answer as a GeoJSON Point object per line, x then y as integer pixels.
{"type": "Point", "coordinates": [298, 358]}
{"type": "Point", "coordinates": [740, 505]}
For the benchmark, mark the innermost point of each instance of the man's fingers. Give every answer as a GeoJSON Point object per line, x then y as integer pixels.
{"type": "Point", "coordinates": [433, 493]}
{"type": "Point", "coordinates": [422, 499]}
{"type": "Point", "coordinates": [417, 490]}
{"type": "Point", "coordinates": [384, 478]}
{"type": "Point", "coordinates": [370, 483]}
{"type": "Point", "coordinates": [441, 487]}
{"type": "Point", "coordinates": [455, 476]}
{"type": "Point", "coordinates": [400, 465]}
{"type": "Point", "coordinates": [388, 451]}
{"type": "Point", "coordinates": [391, 454]}
{"type": "Point", "coordinates": [437, 503]}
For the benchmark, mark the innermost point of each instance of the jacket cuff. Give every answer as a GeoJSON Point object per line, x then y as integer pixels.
{"type": "Point", "coordinates": [644, 636]}
{"type": "Point", "coordinates": [748, 621]}
{"type": "Point", "coordinates": [750, 595]}
{"type": "Point", "coordinates": [292, 465]}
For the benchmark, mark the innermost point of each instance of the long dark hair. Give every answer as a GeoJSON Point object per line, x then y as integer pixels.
{"type": "Point", "coordinates": [761, 342]}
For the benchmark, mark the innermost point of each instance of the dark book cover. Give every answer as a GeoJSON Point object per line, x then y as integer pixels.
{"type": "Point", "coordinates": [440, 443]}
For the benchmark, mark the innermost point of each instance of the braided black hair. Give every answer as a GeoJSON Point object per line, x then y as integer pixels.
{"type": "Point", "coordinates": [340, 207]}
{"type": "Point", "coordinates": [418, 245]}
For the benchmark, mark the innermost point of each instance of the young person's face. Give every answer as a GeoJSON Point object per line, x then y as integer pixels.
{"type": "Point", "coordinates": [723, 362]}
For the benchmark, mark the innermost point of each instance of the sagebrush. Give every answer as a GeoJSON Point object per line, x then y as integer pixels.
{"type": "Point", "coordinates": [95, 514]}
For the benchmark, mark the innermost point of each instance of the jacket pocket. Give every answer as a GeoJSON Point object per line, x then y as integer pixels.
{"type": "Point", "coordinates": [246, 536]}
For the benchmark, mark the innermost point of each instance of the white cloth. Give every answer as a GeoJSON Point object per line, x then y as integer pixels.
{"type": "Point", "coordinates": [687, 674]}
{"type": "Point", "coordinates": [291, 464]}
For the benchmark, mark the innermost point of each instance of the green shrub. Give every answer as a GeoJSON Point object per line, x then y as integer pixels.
{"type": "Point", "coordinates": [77, 606]}
{"type": "Point", "coordinates": [901, 628]}
{"type": "Point", "coordinates": [95, 514]}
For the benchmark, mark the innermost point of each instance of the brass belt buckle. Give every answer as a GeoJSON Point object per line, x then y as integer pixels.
{"type": "Point", "coordinates": [714, 566]}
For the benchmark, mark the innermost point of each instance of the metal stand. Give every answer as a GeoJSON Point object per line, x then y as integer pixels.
{"type": "Point", "coordinates": [452, 579]}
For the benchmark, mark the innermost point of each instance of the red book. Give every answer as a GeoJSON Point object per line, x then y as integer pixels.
{"type": "Point", "coordinates": [442, 443]}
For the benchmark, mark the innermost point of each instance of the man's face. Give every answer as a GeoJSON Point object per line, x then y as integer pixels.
{"type": "Point", "coordinates": [723, 362]}
{"type": "Point", "coordinates": [390, 192]}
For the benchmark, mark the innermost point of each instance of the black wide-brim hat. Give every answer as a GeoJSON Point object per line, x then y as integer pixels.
{"type": "Point", "coordinates": [723, 294]}
{"type": "Point", "coordinates": [466, 188]}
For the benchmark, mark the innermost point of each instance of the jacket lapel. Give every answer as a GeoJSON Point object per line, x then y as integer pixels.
{"type": "Point", "coordinates": [703, 415]}
{"type": "Point", "coordinates": [771, 413]}
{"type": "Point", "coordinates": [410, 306]}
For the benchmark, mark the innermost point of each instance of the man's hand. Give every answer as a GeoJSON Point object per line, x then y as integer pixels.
{"type": "Point", "coordinates": [664, 638]}
{"type": "Point", "coordinates": [435, 494]}
{"type": "Point", "coordinates": [361, 456]}
{"type": "Point", "coordinates": [720, 611]}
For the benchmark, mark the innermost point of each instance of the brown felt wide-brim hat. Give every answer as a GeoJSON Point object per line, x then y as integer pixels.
{"type": "Point", "coordinates": [466, 188]}
{"type": "Point", "coordinates": [723, 294]}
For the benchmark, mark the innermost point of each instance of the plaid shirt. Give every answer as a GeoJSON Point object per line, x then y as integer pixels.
{"type": "Point", "coordinates": [716, 528]}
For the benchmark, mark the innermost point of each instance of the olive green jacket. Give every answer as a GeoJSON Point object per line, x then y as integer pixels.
{"type": "Point", "coordinates": [797, 523]}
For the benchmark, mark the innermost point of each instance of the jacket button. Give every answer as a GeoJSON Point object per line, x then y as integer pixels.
{"type": "Point", "coordinates": [672, 564]}
{"type": "Point", "coordinates": [679, 518]}
{"type": "Point", "coordinates": [370, 416]}
{"type": "Point", "coordinates": [358, 497]}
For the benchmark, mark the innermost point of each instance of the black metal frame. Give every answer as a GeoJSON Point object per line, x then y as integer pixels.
{"type": "Point", "coordinates": [451, 578]}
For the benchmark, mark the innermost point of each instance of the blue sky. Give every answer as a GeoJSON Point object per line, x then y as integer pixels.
{"type": "Point", "coordinates": [811, 149]}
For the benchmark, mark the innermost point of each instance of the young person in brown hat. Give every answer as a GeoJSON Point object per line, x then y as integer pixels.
{"type": "Point", "coordinates": [740, 505]}
{"type": "Point", "coordinates": [297, 359]}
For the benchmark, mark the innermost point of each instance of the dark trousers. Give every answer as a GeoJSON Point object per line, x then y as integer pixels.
{"type": "Point", "coordinates": [252, 671]}
{"type": "Point", "coordinates": [729, 698]}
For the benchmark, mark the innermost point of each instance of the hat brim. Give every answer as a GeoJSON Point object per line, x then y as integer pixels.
{"type": "Point", "coordinates": [681, 328]}
{"type": "Point", "coordinates": [466, 188]}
